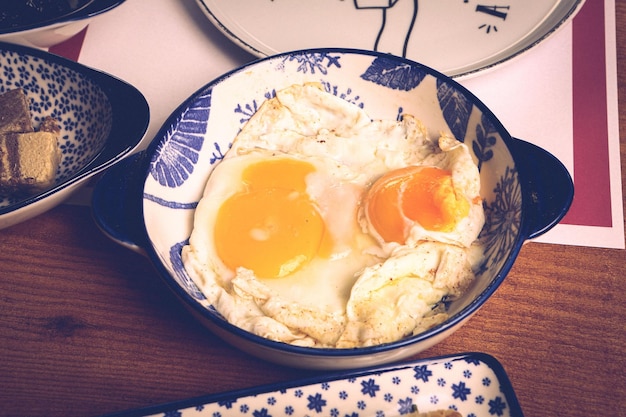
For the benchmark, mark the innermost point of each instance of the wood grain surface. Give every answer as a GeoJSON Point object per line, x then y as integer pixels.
{"type": "Point", "coordinates": [87, 327]}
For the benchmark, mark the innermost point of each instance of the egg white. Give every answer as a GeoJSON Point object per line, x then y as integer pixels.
{"type": "Point", "coordinates": [336, 302]}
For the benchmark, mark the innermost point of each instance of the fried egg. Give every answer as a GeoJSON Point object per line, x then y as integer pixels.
{"type": "Point", "coordinates": [322, 227]}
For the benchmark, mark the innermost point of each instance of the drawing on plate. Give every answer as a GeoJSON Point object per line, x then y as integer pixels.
{"type": "Point", "coordinates": [398, 19]}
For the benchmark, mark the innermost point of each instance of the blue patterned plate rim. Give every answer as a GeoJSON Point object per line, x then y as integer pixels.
{"type": "Point", "coordinates": [226, 399]}
{"type": "Point", "coordinates": [131, 115]}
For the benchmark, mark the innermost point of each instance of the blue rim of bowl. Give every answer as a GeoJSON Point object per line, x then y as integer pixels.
{"type": "Point", "coordinates": [130, 118]}
{"type": "Point", "coordinates": [89, 10]}
{"type": "Point", "coordinates": [203, 312]}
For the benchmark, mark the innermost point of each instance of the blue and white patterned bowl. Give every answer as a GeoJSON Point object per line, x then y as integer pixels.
{"type": "Point", "coordinates": [473, 384]}
{"type": "Point", "coordinates": [525, 189]}
{"type": "Point", "coordinates": [102, 120]}
{"type": "Point", "coordinates": [49, 27]}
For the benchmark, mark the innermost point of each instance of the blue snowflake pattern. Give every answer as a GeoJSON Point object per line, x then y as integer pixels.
{"type": "Point", "coordinates": [228, 404]}
{"type": "Point", "coordinates": [316, 402]}
{"type": "Point", "coordinates": [244, 408]}
{"type": "Point", "coordinates": [434, 399]}
{"type": "Point", "coordinates": [422, 372]}
{"type": "Point", "coordinates": [396, 380]}
{"type": "Point", "coordinates": [369, 387]}
{"type": "Point", "coordinates": [460, 391]}
{"type": "Point", "coordinates": [217, 154]}
{"type": "Point", "coordinates": [334, 412]}
{"type": "Point", "coordinates": [271, 400]}
{"type": "Point", "coordinates": [343, 395]}
{"type": "Point", "coordinates": [480, 399]}
{"type": "Point", "coordinates": [248, 110]}
{"type": "Point", "coordinates": [467, 373]}
{"type": "Point", "coordinates": [486, 381]}
{"type": "Point", "coordinates": [325, 386]}
{"type": "Point", "coordinates": [298, 393]}
{"type": "Point", "coordinates": [448, 365]}
{"type": "Point", "coordinates": [388, 397]}
{"type": "Point", "coordinates": [313, 62]}
{"type": "Point", "coordinates": [263, 412]}
{"type": "Point", "coordinates": [361, 405]}
{"type": "Point", "coordinates": [405, 406]}
{"type": "Point", "coordinates": [289, 410]}
{"type": "Point", "coordinates": [497, 406]}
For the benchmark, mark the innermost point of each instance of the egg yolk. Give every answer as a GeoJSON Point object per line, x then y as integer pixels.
{"type": "Point", "coordinates": [425, 195]}
{"type": "Point", "coordinates": [270, 227]}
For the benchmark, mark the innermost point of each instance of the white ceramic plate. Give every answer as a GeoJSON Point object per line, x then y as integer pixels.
{"type": "Point", "coordinates": [456, 37]}
{"type": "Point", "coordinates": [474, 384]}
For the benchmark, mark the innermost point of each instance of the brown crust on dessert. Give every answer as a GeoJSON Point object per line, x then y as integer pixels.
{"type": "Point", "coordinates": [15, 112]}
{"type": "Point", "coordinates": [49, 124]}
{"type": "Point", "coordinates": [10, 144]}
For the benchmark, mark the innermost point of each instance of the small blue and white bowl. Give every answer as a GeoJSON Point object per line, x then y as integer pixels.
{"type": "Point", "coordinates": [102, 119]}
{"type": "Point", "coordinates": [525, 189]}
{"type": "Point", "coordinates": [44, 24]}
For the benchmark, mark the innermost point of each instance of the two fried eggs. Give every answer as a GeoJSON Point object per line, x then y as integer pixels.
{"type": "Point", "coordinates": [321, 227]}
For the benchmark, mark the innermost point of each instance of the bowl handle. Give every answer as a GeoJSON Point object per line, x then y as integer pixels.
{"type": "Point", "coordinates": [116, 204]}
{"type": "Point", "coordinates": [547, 187]}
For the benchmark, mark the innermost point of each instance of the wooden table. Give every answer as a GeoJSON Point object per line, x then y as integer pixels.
{"type": "Point", "coordinates": [88, 328]}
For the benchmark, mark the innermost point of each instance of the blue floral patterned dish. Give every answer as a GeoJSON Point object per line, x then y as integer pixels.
{"type": "Point", "coordinates": [101, 119]}
{"type": "Point", "coordinates": [525, 189]}
{"type": "Point", "coordinates": [474, 384]}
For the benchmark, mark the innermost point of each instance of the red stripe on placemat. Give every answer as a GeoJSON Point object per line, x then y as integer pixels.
{"type": "Point", "coordinates": [70, 48]}
{"type": "Point", "coordinates": [592, 200]}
